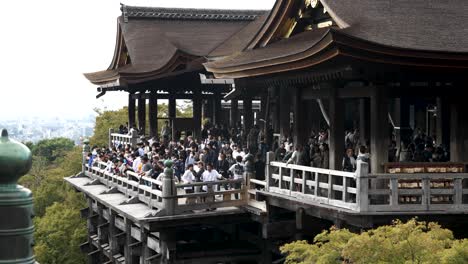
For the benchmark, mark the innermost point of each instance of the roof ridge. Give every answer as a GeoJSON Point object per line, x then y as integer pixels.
{"type": "Point", "coordinates": [189, 13]}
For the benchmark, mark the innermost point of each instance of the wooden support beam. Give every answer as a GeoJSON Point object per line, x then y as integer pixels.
{"type": "Point", "coordinates": [284, 112]}
{"type": "Point", "coordinates": [364, 121]}
{"type": "Point", "coordinates": [208, 109]}
{"type": "Point", "coordinates": [300, 129]}
{"type": "Point", "coordinates": [443, 121]}
{"type": "Point", "coordinates": [234, 113]}
{"type": "Point", "coordinates": [131, 111]}
{"type": "Point", "coordinates": [172, 115]}
{"type": "Point", "coordinates": [458, 131]}
{"type": "Point", "coordinates": [379, 139]}
{"type": "Point", "coordinates": [197, 115]}
{"type": "Point", "coordinates": [347, 92]}
{"type": "Point", "coordinates": [336, 135]}
{"type": "Point", "coordinates": [167, 239]}
{"type": "Point", "coordinates": [217, 109]}
{"type": "Point", "coordinates": [128, 242]}
{"type": "Point", "coordinates": [142, 115]}
{"type": "Point", "coordinates": [153, 115]}
{"type": "Point", "coordinates": [112, 230]}
{"type": "Point", "coordinates": [248, 114]}
{"type": "Point", "coordinates": [145, 251]}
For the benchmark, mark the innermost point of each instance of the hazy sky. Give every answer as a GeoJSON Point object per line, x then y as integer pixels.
{"type": "Point", "coordinates": [46, 46]}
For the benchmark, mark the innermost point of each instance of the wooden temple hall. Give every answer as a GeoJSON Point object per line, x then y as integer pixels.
{"type": "Point", "coordinates": [393, 71]}
{"type": "Point", "coordinates": [159, 54]}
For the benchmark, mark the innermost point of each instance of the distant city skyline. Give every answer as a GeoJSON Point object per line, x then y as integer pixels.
{"type": "Point", "coordinates": [44, 57]}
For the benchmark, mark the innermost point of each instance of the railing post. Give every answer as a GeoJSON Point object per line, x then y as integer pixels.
{"type": "Point", "coordinates": [169, 189]}
{"type": "Point", "coordinates": [134, 139]}
{"type": "Point", "coordinates": [16, 203]}
{"type": "Point", "coordinates": [458, 193]}
{"type": "Point", "coordinates": [111, 144]}
{"type": "Point", "coordinates": [362, 186]}
{"type": "Point", "coordinates": [85, 152]}
{"type": "Point", "coordinates": [269, 170]}
{"type": "Point", "coordinates": [393, 192]}
{"type": "Point", "coordinates": [246, 186]}
{"type": "Point", "coordinates": [426, 193]}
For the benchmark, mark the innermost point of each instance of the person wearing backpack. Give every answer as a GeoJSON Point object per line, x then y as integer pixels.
{"type": "Point", "coordinates": [237, 171]}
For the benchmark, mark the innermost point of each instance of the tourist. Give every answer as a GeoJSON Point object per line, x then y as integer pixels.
{"type": "Point", "coordinates": [222, 165]}
{"type": "Point", "coordinates": [210, 175]}
{"type": "Point", "coordinates": [349, 161]}
{"type": "Point", "coordinates": [189, 178]}
{"type": "Point", "coordinates": [237, 171]}
{"type": "Point", "coordinates": [166, 131]}
{"type": "Point", "coordinates": [280, 153]}
{"type": "Point", "coordinates": [363, 155]}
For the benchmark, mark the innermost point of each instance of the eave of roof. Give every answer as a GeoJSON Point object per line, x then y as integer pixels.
{"type": "Point", "coordinates": [321, 46]}
{"type": "Point", "coordinates": [159, 40]}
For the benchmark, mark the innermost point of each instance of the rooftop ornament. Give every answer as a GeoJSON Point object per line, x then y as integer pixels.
{"type": "Point", "coordinates": [16, 205]}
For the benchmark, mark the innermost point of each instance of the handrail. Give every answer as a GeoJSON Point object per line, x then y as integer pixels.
{"type": "Point", "coordinates": [149, 191]}
{"type": "Point", "coordinates": [122, 139]}
{"type": "Point", "coordinates": [313, 169]}
{"type": "Point", "coordinates": [362, 192]}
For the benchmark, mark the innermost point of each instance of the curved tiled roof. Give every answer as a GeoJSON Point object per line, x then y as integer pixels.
{"type": "Point", "coordinates": [158, 40]}
{"type": "Point", "coordinates": [413, 32]}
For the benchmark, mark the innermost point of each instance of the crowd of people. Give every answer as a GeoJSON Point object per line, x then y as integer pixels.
{"type": "Point", "coordinates": [415, 146]}
{"type": "Point", "coordinates": [221, 153]}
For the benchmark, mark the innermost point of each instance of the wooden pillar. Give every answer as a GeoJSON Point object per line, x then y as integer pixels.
{"type": "Point", "coordinates": [458, 132]}
{"type": "Point", "coordinates": [261, 113]}
{"type": "Point", "coordinates": [234, 113]}
{"type": "Point", "coordinates": [300, 126]}
{"type": "Point", "coordinates": [248, 114]}
{"type": "Point", "coordinates": [142, 115]}
{"type": "Point", "coordinates": [284, 112]}
{"type": "Point", "coordinates": [172, 115]}
{"type": "Point", "coordinates": [401, 118]}
{"type": "Point", "coordinates": [168, 245]}
{"type": "Point", "coordinates": [128, 240]}
{"type": "Point", "coordinates": [208, 109]}
{"type": "Point", "coordinates": [217, 113]}
{"type": "Point", "coordinates": [420, 116]}
{"type": "Point", "coordinates": [364, 118]}
{"type": "Point", "coordinates": [131, 111]}
{"type": "Point", "coordinates": [443, 122]}
{"type": "Point", "coordinates": [379, 138]}
{"type": "Point", "coordinates": [336, 136]}
{"type": "Point", "coordinates": [144, 233]}
{"type": "Point", "coordinates": [113, 242]}
{"type": "Point", "coordinates": [197, 115]}
{"type": "Point", "coordinates": [275, 109]}
{"type": "Point", "coordinates": [153, 115]}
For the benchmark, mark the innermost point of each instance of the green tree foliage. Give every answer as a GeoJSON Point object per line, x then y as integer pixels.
{"type": "Point", "coordinates": [410, 242]}
{"type": "Point", "coordinates": [59, 228]}
{"type": "Point", "coordinates": [113, 119]}
{"type": "Point", "coordinates": [51, 149]}
{"type": "Point", "coordinates": [59, 234]}
{"type": "Point", "coordinates": [106, 120]}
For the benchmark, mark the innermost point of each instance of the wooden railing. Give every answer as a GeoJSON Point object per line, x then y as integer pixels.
{"type": "Point", "coordinates": [362, 192]}
{"type": "Point", "coordinates": [168, 197]}
{"type": "Point", "coordinates": [415, 192]}
{"type": "Point", "coordinates": [320, 186]}
{"type": "Point", "coordinates": [116, 139]}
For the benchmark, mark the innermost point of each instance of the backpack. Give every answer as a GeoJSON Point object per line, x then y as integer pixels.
{"type": "Point", "coordinates": [238, 169]}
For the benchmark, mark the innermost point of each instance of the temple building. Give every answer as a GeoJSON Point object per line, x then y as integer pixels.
{"type": "Point", "coordinates": [388, 71]}
{"type": "Point", "coordinates": [159, 54]}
